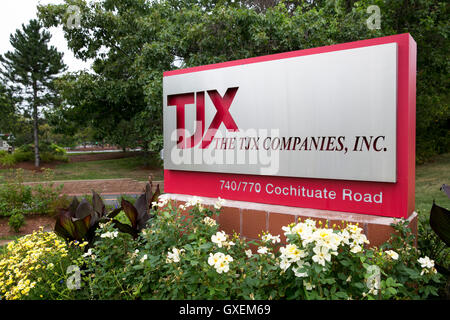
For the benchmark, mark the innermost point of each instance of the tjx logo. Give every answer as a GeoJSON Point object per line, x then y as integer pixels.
{"type": "Point", "coordinates": [222, 105]}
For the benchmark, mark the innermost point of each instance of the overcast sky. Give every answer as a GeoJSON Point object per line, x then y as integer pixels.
{"type": "Point", "coordinates": [13, 13]}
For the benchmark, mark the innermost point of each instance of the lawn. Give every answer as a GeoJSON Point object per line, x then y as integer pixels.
{"type": "Point", "coordinates": [134, 168]}
{"type": "Point", "coordinates": [137, 167]}
{"type": "Point", "coordinates": [429, 178]}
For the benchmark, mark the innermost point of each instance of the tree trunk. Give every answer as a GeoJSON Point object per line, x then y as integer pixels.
{"type": "Point", "coordinates": [35, 127]}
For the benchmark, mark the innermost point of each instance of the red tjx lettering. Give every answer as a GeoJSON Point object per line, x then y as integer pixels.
{"type": "Point", "coordinates": [222, 105]}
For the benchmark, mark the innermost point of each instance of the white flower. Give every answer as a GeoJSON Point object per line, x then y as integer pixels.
{"type": "Point", "coordinates": [354, 229]}
{"type": "Point", "coordinates": [227, 258]}
{"type": "Point", "coordinates": [219, 204]}
{"type": "Point", "coordinates": [322, 254]}
{"type": "Point", "coordinates": [220, 261]}
{"type": "Point", "coordinates": [426, 262]}
{"type": "Point", "coordinates": [268, 237]}
{"type": "Point", "coordinates": [304, 230]}
{"type": "Point", "coordinates": [88, 253]}
{"type": "Point", "coordinates": [228, 244]}
{"type": "Point", "coordinates": [355, 248]}
{"type": "Point", "coordinates": [287, 230]}
{"type": "Point", "coordinates": [174, 256]}
{"type": "Point", "coordinates": [222, 266]}
{"type": "Point", "coordinates": [262, 250]}
{"type": "Point", "coordinates": [284, 264]}
{"type": "Point", "coordinates": [327, 238]}
{"type": "Point", "coordinates": [392, 254]}
{"type": "Point", "coordinates": [308, 285]}
{"type": "Point", "coordinates": [311, 223]}
{"type": "Point", "coordinates": [109, 234]}
{"type": "Point", "coordinates": [162, 200]}
{"type": "Point", "coordinates": [292, 253]}
{"type": "Point", "coordinates": [300, 265]}
{"type": "Point", "coordinates": [144, 257]}
{"type": "Point", "coordinates": [220, 238]}
{"type": "Point", "coordinates": [373, 280]}
{"type": "Point", "coordinates": [248, 253]}
{"type": "Point", "coordinates": [209, 222]}
{"type": "Point", "coordinates": [215, 258]}
{"type": "Point", "coordinates": [427, 265]}
{"type": "Point", "coordinates": [192, 202]}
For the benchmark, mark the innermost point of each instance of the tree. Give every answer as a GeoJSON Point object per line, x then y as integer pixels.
{"type": "Point", "coordinates": [144, 38]}
{"type": "Point", "coordinates": [7, 114]}
{"type": "Point", "coordinates": [30, 71]}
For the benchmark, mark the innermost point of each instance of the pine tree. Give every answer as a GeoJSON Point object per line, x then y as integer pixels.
{"type": "Point", "coordinates": [30, 71]}
{"type": "Point", "coordinates": [6, 108]}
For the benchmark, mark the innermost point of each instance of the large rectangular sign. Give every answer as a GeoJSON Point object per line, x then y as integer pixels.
{"type": "Point", "coordinates": [326, 128]}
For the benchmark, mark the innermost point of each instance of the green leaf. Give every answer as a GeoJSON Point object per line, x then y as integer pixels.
{"type": "Point", "coordinates": [391, 291]}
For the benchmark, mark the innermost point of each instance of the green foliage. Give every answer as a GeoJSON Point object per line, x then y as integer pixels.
{"type": "Point", "coordinates": [40, 198]}
{"type": "Point", "coordinates": [430, 244]}
{"type": "Point", "coordinates": [16, 221]}
{"type": "Point", "coordinates": [146, 38]}
{"type": "Point", "coordinates": [183, 255]}
{"type": "Point", "coordinates": [7, 160]}
{"type": "Point", "coordinates": [418, 283]}
{"type": "Point", "coordinates": [49, 152]}
{"type": "Point", "coordinates": [22, 156]}
{"type": "Point", "coordinates": [30, 71]}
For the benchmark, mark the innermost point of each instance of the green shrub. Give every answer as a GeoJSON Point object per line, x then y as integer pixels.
{"type": "Point", "coordinates": [22, 156]}
{"type": "Point", "coordinates": [48, 152]}
{"type": "Point", "coordinates": [14, 195]}
{"type": "Point", "coordinates": [47, 157]}
{"type": "Point", "coordinates": [40, 198]}
{"type": "Point", "coordinates": [7, 160]}
{"type": "Point", "coordinates": [57, 149]}
{"type": "Point", "coordinates": [16, 221]}
{"type": "Point", "coordinates": [183, 255]}
{"type": "Point", "coordinates": [61, 157]}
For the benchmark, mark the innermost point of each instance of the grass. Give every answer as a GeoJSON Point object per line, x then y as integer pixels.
{"type": "Point", "coordinates": [133, 168]}
{"type": "Point", "coordinates": [137, 168]}
{"type": "Point", "coordinates": [429, 178]}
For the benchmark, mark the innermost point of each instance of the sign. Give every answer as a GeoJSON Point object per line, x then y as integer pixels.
{"type": "Point", "coordinates": [327, 128]}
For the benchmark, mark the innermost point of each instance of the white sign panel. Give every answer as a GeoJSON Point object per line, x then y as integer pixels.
{"type": "Point", "coordinates": [330, 115]}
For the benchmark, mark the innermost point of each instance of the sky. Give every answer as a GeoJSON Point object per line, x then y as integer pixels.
{"type": "Point", "coordinates": [13, 13]}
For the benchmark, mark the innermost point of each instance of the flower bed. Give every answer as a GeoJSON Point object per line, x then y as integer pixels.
{"type": "Point", "coordinates": [182, 254]}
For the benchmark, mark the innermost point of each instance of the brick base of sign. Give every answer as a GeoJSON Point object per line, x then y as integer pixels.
{"type": "Point", "coordinates": [250, 219]}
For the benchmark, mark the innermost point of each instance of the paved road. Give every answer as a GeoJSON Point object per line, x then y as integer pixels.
{"type": "Point", "coordinates": [114, 199]}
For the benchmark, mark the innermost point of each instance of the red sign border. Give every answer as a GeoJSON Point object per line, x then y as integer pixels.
{"type": "Point", "coordinates": [398, 198]}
